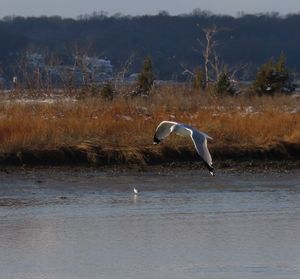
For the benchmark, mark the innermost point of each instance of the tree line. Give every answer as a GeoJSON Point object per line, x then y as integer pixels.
{"type": "Point", "coordinates": [171, 41]}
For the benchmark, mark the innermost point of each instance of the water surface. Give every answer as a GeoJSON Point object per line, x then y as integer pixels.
{"type": "Point", "coordinates": [61, 223]}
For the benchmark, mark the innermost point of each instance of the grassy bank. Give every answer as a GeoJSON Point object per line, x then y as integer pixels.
{"type": "Point", "coordinates": [95, 131]}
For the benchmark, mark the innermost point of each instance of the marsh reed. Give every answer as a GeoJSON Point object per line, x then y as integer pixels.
{"type": "Point", "coordinates": [243, 122]}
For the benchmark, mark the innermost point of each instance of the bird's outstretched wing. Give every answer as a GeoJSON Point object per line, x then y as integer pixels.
{"type": "Point", "coordinates": [200, 141]}
{"type": "Point", "coordinates": [163, 130]}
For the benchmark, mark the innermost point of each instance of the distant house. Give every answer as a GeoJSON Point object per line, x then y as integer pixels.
{"type": "Point", "coordinates": [65, 75]}
{"type": "Point", "coordinates": [83, 70]}
{"type": "Point", "coordinates": [133, 77]}
{"type": "Point", "coordinates": [35, 60]}
{"type": "Point", "coordinates": [99, 69]}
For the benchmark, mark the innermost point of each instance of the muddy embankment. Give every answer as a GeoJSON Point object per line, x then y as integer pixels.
{"type": "Point", "coordinates": [89, 154]}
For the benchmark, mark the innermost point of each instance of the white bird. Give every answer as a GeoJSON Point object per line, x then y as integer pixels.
{"type": "Point", "coordinates": [135, 191]}
{"type": "Point", "coordinates": [199, 139]}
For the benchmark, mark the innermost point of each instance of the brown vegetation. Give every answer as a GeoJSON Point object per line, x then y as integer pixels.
{"type": "Point", "coordinates": [92, 130]}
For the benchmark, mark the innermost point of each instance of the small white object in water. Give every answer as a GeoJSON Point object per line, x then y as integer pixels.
{"type": "Point", "coordinates": [135, 191]}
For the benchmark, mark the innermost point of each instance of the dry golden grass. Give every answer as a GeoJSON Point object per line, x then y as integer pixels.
{"type": "Point", "coordinates": [128, 124]}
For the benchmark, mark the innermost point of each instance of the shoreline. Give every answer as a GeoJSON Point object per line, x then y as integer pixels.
{"type": "Point", "coordinates": [93, 132]}
{"type": "Point", "coordinates": [280, 155]}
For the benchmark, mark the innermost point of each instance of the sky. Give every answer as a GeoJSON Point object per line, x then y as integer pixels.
{"type": "Point", "coordinates": [74, 8]}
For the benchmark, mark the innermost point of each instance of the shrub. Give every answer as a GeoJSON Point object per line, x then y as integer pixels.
{"type": "Point", "coordinates": [199, 79]}
{"type": "Point", "coordinates": [224, 85]}
{"type": "Point", "coordinates": [273, 76]}
{"type": "Point", "coordinates": [107, 91]}
{"type": "Point", "coordinates": [145, 79]}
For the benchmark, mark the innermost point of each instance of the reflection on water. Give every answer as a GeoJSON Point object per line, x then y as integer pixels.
{"type": "Point", "coordinates": [89, 224]}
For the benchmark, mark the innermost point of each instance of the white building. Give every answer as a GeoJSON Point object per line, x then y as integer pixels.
{"type": "Point", "coordinates": [99, 69]}
{"type": "Point", "coordinates": [35, 60]}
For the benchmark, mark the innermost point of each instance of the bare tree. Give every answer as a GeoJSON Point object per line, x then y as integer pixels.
{"type": "Point", "coordinates": [208, 51]}
{"type": "Point", "coordinates": [120, 76]}
{"type": "Point", "coordinates": [214, 66]}
{"type": "Point", "coordinates": [79, 56]}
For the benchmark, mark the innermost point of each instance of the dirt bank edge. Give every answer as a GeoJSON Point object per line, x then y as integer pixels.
{"type": "Point", "coordinates": [89, 154]}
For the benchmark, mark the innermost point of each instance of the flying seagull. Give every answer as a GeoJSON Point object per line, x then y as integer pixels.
{"type": "Point", "coordinates": [199, 139]}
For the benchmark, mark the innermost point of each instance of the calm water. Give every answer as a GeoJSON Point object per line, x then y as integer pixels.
{"type": "Point", "coordinates": [69, 224]}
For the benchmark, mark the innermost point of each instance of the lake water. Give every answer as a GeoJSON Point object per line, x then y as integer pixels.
{"type": "Point", "coordinates": [69, 224]}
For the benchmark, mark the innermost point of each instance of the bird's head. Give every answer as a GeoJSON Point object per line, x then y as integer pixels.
{"type": "Point", "coordinates": [156, 140]}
